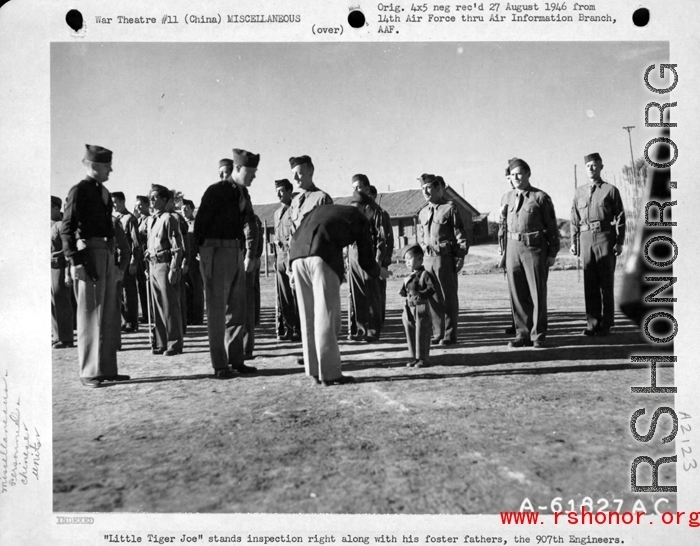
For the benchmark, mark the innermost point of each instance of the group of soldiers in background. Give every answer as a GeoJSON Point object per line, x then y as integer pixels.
{"type": "Point", "coordinates": [172, 262]}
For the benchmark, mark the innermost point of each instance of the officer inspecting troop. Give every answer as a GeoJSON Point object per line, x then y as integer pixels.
{"type": "Point", "coordinates": [213, 258]}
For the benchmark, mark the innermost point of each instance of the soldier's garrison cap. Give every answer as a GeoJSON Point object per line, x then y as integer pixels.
{"type": "Point", "coordinates": [361, 178]}
{"type": "Point", "coordinates": [426, 178]}
{"type": "Point", "coordinates": [301, 160]}
{"type": "Point", "coordinates": [225, 162]}
{"type": "Point", "coordinates": [245, 158]}
{"type": "Point", "coordinates": [592, 157]}
{"type": "Point", "coordinates": [97, 154]}
{"type": "Point", "coordinates": [413, 248]}
{"type": "Point", "coordinates": [362, 198]}
{"type": "Point", "coordinates": [284, 183]}
{"type": "Point", "coordinates": [56, 201]}
{"type": "Point", "coordinates": [517, 162]}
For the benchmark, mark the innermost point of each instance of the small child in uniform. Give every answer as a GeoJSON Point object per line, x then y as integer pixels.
{"type": "Point", "coordinates": [417, 288]}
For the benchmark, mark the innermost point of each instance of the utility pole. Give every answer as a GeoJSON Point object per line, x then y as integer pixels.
{"type": "Point", "coordinates": [629, 134]}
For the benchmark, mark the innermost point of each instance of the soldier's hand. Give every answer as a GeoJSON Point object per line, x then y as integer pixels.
{"type": "Point", "coordinates": [550, 261]}
{"type": "Point", "coordinates": [459, 264]}
{"type": "Point", "coordinates": [184, 269]}
{"type": "Point", "coordinates": [132, 269]}
{"type": "Point", "coordinates": [120, 275]}
{"type": "Point", "coordinates": [617, 249]}
{"type": "Point", "coordinates": [173, 276]}
{"type": "Point", "coordinates": [249, 264]}
{"type": "Point", "coordinates": [572, 249]}
{"type": "Point", "coordinates": [383, 273]}
{"type": "Point", "coordinates": [78, 272]}
{"type": "Point", "coordinates": [68, 279]}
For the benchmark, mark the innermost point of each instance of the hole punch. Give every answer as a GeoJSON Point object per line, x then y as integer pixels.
{"type": "Point", "coordinates": [74, 19]}
{"type": "Point", "coordinates": [640, 17]}
{"type": "Point", "coordinates": [356, 19]}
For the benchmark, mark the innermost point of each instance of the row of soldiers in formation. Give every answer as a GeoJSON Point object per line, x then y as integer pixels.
{"type": "Point", "coordinates": [226, 238]}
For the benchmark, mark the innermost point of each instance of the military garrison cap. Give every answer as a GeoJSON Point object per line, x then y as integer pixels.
{"type": "Point", "coordinates": [517, 162]}
{"type": "Point", "coordinates": [413, 248]}
{"type": "Point", "coordinates": [97, 154]}
{"type": "Point", "coordinates": [592, 157]}
{"type": "Point", "coordinates": [245, 158]}
{"type": "Point", "coordinates": [426, 178]}
{"type": "Point", "coordinates": [56, 201]}
{"type": "Point", "coordinates": [301, 160]}
{"type": "Point", "coordinates": [361, 177]}
{"type": "Point", "coordinates": [225, 162]}
{"type": "Point", "coordinates": [439, 180]}
{"type": "Point", "coordinates": [284, 183]}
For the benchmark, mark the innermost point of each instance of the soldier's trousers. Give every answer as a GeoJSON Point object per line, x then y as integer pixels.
{"type": "Point", "coordinates": [224, 291]}
{"type": "Point", "coordinates": [61, 307]}
{"type": "Point", "coordinates": [417, 325]}
{"type": "Point", "coordinates": [287, 308]}
{"type": "Point", "coordinates": [130, 300]}
{"type": "Point", "coordinates": [98, 314]}
{"type": "Point", "coordinates": [318, 290]}
{"type": "Point", "coordinates": [252, 309]}
{"type": "Point", "coordinates": [168, 315]}
{"type": "Point", "coordinates": [598, 278]}
{"type": "Point", "coordinates": [444, 305]}
{"type": "Point", "coordinates": [365, 298]}
{"type": "Point", "coordinates": [195, 294]}
{"type": "Point", "coordinates": [183, 302]}
{"type": "Point", "coordinates": [382, 298]}
{"type": "Point", "coordinates": [527, 282]}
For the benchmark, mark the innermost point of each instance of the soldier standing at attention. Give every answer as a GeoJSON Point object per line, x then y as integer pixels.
{"type": "Point", "coordinates": [61, 308]}
{"type": "Point", "coordinates": [444, 243]}
{"type": "Point", "coordinates": [533, 243]}
{"type": "Point", "coordinates": [365, 303]}
{"type": "Point", "coordinates": [219, 232]}
{"type": "Point", "coordinates": [287, 309]}
{"type": "Point", "coordinates": [387, 233]}
{"type": "Point", "coordinates": [597, 235]}
{"type": "Point", "coordinates": [130, 296]}
{"type": "Point", "coordinates": [309, 196]}
{"type": "Point", "coordinates": [142, 213]}
{"type": "Point", "coordinates": [316, 254]}
{"type": "Point", "coordinates": [193, 278]}
{"type": "Point", "coordinates": [186, 258]}
{"type": "Point", "coordinates": [88, 245]}
{"type": "Point", "coordinates": [165, 254]}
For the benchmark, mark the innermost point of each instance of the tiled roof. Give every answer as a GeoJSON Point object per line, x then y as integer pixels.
{"type": "Point", "coordinates": [399, 204]}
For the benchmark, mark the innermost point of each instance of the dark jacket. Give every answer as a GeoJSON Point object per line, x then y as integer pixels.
{"type": "Point", "coordinates": [326, 230]}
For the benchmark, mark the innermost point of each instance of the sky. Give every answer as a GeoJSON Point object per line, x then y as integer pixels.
{"type": "Point", "coordinates": [170, 111]}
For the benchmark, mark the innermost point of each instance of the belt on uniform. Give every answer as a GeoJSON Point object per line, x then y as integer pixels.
{"type": "Point", "coordinates": [229, 243]}
{"type": "Point", "coordinates": [99, 242]}
{"type": "Point", "coordinates": [595, 227]}
{"type": "Point", "coordinates": [523, 236]}
{"type": "Point", "coordinates": [162, 257]}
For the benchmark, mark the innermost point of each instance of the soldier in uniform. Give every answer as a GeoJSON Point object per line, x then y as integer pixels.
{"type": "Point", "coordinates": [142, 213]}
{"type": "Point", "coordinates": [221, 226]}
{"type": "Point", "coordinates": [288, 328]}
{"type": "Point", "coordinates": [186, 258]}
{"type": "Point", "coordinates": [597, 234]}
{"type": "Point", "coordinates": [164, 254]}
{"type": "Point", "coordinates": [444, 243]}
{"type": "Point", "coordinates": [387, 232]}
{"type": "Point", "coordinates": [122, 259]}
{"type": "Point", "coordinates": [130, 297]}
{"type": "Point", "coordinates": [309, 196]}
{"type": "Point", "coordinates": [88, 245]}
{"type": "Point", "coordinates": [193, 278]}
{"type": "Point", "coordinates": [61, 308]}
{"type": "Point", "coordinates": [252, 292]}
{"type": "Point", "coordinates": [316, 254]}
{"type": "Point", "coordinates": [365, 302]}
{"type": "Point", "coordinates": [533, 243]}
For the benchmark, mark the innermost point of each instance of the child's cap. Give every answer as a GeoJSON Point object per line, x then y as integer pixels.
{"type": "Point", "coordinates": [414, 248]}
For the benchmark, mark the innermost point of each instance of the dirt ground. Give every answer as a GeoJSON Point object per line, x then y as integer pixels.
{"type": "Point", "coordinates": [480, 431]}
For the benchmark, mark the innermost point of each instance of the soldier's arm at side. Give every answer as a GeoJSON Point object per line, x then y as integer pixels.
{"type": "Point", "coordinates": [620, 221]}
{"type": "Point", "coordinates": [574, 227]}
{"type": "Point", "coordinates": [550, 219]}
{"type": "Point", "coordinates": [172, 229]}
